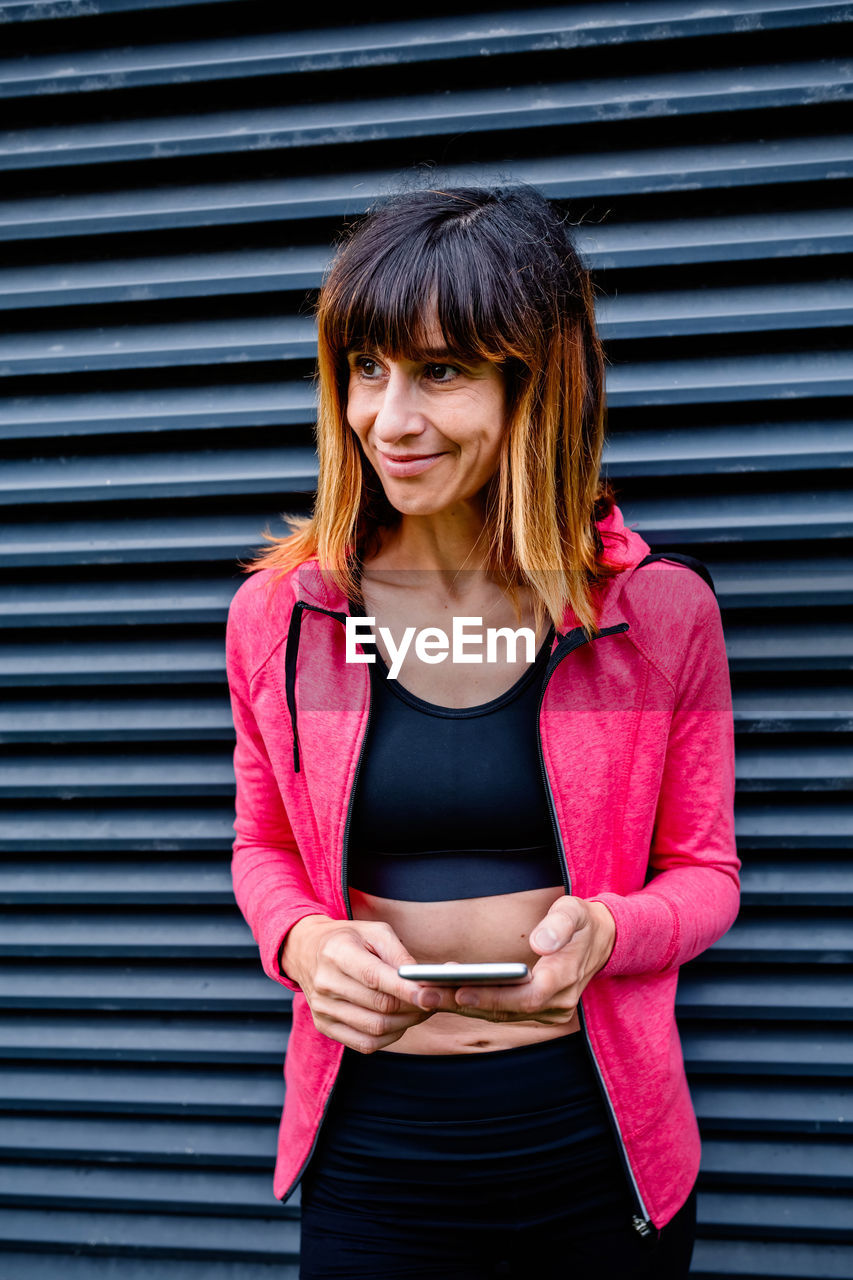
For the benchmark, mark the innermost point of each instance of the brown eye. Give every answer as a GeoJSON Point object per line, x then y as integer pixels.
{"type": "Point", "coordinates": [441, 372]}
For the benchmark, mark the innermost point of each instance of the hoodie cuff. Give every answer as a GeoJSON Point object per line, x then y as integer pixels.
{"type": "Point", "coordinates": [646, 933]}
{"type": "Point", "coordinates": [275, 929]}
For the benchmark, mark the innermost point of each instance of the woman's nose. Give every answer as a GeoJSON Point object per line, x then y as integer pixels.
{"type": "Point", "coordinates": [399, 412]}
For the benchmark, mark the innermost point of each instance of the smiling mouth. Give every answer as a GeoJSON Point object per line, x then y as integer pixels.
{"type": "Point", "coordinates": [408, 457]}
{"type": "Point", "coordinates": [404, 466]}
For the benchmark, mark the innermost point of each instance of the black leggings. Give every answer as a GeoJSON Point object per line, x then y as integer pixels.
{"type": "Point", "coordinates": [473, 1166]}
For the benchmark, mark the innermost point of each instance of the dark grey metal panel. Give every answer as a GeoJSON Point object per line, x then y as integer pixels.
{"type": "Point", "coordinates": [169, 198]}
{"type": "Point", "coordinates": [381, 44]}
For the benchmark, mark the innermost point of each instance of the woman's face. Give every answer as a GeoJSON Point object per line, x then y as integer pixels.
{"type": "Point", "coordinates": [432, 430]}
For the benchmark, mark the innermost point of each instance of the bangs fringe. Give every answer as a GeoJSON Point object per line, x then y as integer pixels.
{"type": "Point", "coordinates": [423, 302]}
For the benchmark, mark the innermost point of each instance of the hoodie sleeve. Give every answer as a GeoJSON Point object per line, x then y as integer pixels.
{"type": "Point", "coordinates": [692, 895]}
{"type": "Point", "coordinates": [270, 881]}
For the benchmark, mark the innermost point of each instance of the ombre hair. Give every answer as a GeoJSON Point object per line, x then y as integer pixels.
{"type": "Point", "coordinates": [498, 270]}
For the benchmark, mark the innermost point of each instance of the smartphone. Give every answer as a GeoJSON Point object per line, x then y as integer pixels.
{"type": "Point", "coordinates": [462, 975]}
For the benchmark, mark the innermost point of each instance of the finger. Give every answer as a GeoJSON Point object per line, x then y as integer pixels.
{"type": "Point", "coordinates": [437, 999]}
{"type": "Point", "coordinates": [523, 1000]}
{"type": "Point", "coordinates": [364, 962]}
{"type": "Point", "coordinates": [333, 985]}
{"type": "Point", "coordinates": [559, 926]}
{"type": "Point", "coordinates": [373, 1025]}
{"type": "Point", "coordinates": [359, 1040]}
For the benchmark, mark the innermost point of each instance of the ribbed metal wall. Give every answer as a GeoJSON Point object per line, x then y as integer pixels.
{"type": "Point", "coordinates": [174, 173]}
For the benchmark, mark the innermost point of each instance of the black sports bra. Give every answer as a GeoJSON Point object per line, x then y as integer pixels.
{"type": "Point", "coordinates": [450, 802]}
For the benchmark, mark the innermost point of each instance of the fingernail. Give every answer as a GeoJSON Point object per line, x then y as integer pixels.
{"type": "Point", "coordinates": [468, 999]}
{"type": "Point", "coordinates": [545, 938]}
{"type": "Point", "coordinates": [430, 1000]}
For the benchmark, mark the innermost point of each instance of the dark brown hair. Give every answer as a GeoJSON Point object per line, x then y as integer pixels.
{"type": "Point", "coordinates": [499, 270]}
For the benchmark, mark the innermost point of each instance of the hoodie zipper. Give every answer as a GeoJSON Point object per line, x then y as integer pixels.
{"type": "Point", "coordinates": [344, 889]}
{"type": "Point", "coordinates": [640, 1220]}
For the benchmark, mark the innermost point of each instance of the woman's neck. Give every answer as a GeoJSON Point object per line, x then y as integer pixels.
{"type": "Point", "coordinates": [446, 544]}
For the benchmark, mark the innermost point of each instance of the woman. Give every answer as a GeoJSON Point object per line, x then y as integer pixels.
{"type": "Point", "coordinates": [570, 808]}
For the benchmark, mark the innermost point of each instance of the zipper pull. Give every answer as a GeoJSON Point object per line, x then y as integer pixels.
{"type": "Point", "coordinates": [641, 1225]}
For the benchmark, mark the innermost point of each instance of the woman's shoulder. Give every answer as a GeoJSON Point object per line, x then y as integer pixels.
{"type": "Point", "coordinates": [259, 614]}
{"type": "Point", "coordinates": [669, 604]}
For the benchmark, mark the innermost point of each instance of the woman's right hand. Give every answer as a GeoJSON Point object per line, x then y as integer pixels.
{"type": "Point", "coordinates": [347, 970]}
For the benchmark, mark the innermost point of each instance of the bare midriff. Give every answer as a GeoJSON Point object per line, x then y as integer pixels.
{"type": "Point", "coordinates": [466, 930]}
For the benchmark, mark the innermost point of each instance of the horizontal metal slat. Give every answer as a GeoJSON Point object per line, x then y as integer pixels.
{"type": "Point", "coordinates": [163, 1039]}
{"type": "Point", "coordinates": [748, 518]}
{"type": "Point", "coordinates": [782, 938]}
{"type": "Point", "coordinates": [777, 1163]}
{"type": "Point", "coordinates": [47, 10]}
{"type": "Point", "coordinates": [274, 1239]}
{"type": "Point", "coordinates": [228, 987]}
{"type": "Point", "coordinates": [171, 408]}
{"type": "Point", "coordinates": [812, 882]}
{"type": "Point", "coordinates": [88, 1187]}
{"type": "Point", "coordinates": [807, 883]}
{"type": "Point", "coordinates": [824, 1107]}
{"type": "Point", "coordinates": [143, 1090]}
{"type": "Point", "coordinates": [204, 341]}
{"type": "Point", "coordinates": [794, 768]}
{"type": "Point", "coordinates": [165, 660]}
{"type": "Point", "coordinates": [794, 581]}
{"type": "Point", "coordinates": [825, 825]}
{"type": "Point", "coordinates": [388, 44]}
{"type": "Point", "coordinates": [145, 1139]}
{"type": "Point", "coordinates": [716, 379]}
{"type": "Point", "coordinates": [729, 449]}
{"type": "Point", "coordinates": [824, 939]}
{"type": "Point", "coordinates": [144, 883]}
{"type": "Point", "coordinates": [94, 603]}
{"type": "Point", "coordinates": [138, 540]}
{"type": "Point", "coordinates": [237, 1040]}
{"type": "Point", "coordinates": [216, 934]}
{"type": "Point", "coordinates": [775, 1214]}
{"type": "Point", "coordinates": [418, 115]}
{"type": "Point", "coordinates": [231, 1036]}
{"type": "Point", "coordinates": [762, 307]}
{"type": "Point", "coordinates": [168, 660]}
{"type": "Point", "coordinates": [202, 473]}
{"type": "Point", "coordinates": [85, 603]}
{"type": "Point", "coordinates": [814, 997]}
{"type": "Point", "coordinates": [747, 237]}
{"type": "Point", "coordinates": [277, 269]}
{"type": "Point", "coordinates": [783, 583]}
{"type": "Point", "coordinates": [794, 710]}
{"type": "Point", "coordinates": [127, 773]}
{"type": "Point", "coordinates": [272, 270]}
{"type": "Point", "coordinates": [770, 1260]}
{"type": "Point", "coordinates": [709, 167]}
{"type": "Point", "coordinates": [823, 997]}
{"type": "Point", "coordinates": [106, 1266]}
{"type": "Point", "coordinates": [743, 1050]}
{"type": "Point", "coordinates": [117, 829]}
{"type": "Point", "coordinates": [117, 774]}
{"type": "Point", "coordinates": [293, 467]}
{"type": "Point", "coordinates": [74, 719]}
{"type": "Point", "coordinates": [153, 346]}
{"type": "Point", "coordinates": [755, 517]}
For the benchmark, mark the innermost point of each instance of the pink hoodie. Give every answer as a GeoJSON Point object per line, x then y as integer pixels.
{"type": "Point", "coordinates": [637, 744]}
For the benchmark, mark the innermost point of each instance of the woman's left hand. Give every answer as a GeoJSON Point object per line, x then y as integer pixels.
{"type": "Point", "coordinates": [574, 941]}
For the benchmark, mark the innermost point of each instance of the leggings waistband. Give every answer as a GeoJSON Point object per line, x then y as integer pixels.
{"type": "Point", "coordinates": [529, 1078]}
